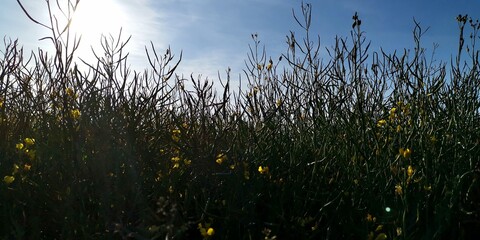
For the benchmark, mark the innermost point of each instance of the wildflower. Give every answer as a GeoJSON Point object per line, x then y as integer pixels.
{"type": "Point", "coordinates": [8, 179]}
{"type": "Point", "coordinates": [279, 102]}
{"type": "Point", "coordinates": [269, 65]}
{"type": "Point", "coordinates": [176, 151]}
{"type": "Point", "coordinates": [27, 167]}
{"type": "Point", "coordinates": [70, 92]}
{"type": "Point", "coordinates": [15, 168]}
{"type": "Point", "coordinates": [19, 146]}
{"type": "Point", "coordinates": [259, 66]}
{"type": "Point", "coordinates": [187, 162]}
{"type": "Point", "coordinates": [399, 128]}
{"type": "Point", "coordinates": [221, 158]}
{"type": "Point", "coordinates": [75, 114]}
{"type": "Point", "coordinates": [29, 141]}
{"type": "Point", "coordinates": [371, 218]}
{"type": "Point", "coordinates": [1, 102]}
{"type": "Point", "coordinates": [263, 170]}
{"type": "Point", "coordinates": [405, 152]}
{"type": "Point", "coordinates": [176, 135]}
{"type": "Point", "coordinates": [410, 171]}
{"type": "Point", "coordinates": [392, 113]}
{"type": "Point", "coordinates": [175, 159]}
{"type": "Point", "coordinates": [206, 231]}
{"type": "Point", "coordinates": [398, 189]}
{"type": "Point", "coordinates": [381, 123]}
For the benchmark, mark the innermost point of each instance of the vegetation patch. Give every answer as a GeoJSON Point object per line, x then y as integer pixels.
{"type": "Point", "coordinates": [364, 145]}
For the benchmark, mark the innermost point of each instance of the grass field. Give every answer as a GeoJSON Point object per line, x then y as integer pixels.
{"type": "Point", "coordinates": [359, 146]}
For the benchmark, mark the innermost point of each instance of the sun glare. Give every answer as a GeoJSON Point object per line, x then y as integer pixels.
{"type": "Point", "coordinates": [96, 17]}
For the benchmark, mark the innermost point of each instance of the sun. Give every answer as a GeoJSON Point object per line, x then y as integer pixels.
{"type": "Point", "coordinates": [93, 18]}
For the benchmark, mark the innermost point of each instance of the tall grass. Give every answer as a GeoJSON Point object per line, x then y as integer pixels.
{"type": "Point", "coordinates": [364, 145]}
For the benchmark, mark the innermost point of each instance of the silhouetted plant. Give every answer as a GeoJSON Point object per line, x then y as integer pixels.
{"type": "Point", "coordinates": [364, 145]}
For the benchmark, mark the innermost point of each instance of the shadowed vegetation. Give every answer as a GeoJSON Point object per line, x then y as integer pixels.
{"type": "Point", "coordinates": [364, 145]}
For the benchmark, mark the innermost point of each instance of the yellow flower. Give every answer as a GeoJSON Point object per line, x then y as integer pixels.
{"type": "Point", "coordinates": [206, 231]}
{"type": "Point", "coordinates": [392, 114]}
{"type": "Point", "coordinates": [393, 111]}
{"type": "Point", "coordinates": [29, 141]}
{"type": "Point", "coordinates": [210, 232]}
{"type": "Point", "coordinates": [398, 189]}
{"type": "Point", "coordinates": [405, 152]}
{"type": "Point", "coordinates": [1, 102]}
{"type": "Point", "coordinates": [279, 102]}
{"type": "Point", "coordinates": [269, 66]}
{"type": "Point", "coordinates": [187, 162]}
{"type": "Point", "coordinates": [371, 218]}
{"type": "Point", "coordinates": [176, 135]}
{"type": "Point", "coordinates": [381, 123]}
{"type": "Point", "coordinates": [15, 168]}
{"type": "Point", "coordinates": [27, 167]}
{"type": "Point", "coordinates": [399, 128]}
{"type": "Point", "coordinates": [176, 151]}
{"type": "Point", "coordinates": [263, 170]}
{"type": "Point", "coordinates": [175, 159]}
{"type": "Point", "coordinates": [75, 113]}
{"type": "Point", "coordinates": [8, 179]}
{"type": "Point", "coordinates": [19, 146]}
{"type": "Point", "coordinates": [221, 158]}
{"type": "Point", "coordinates": [70, 92]}
{"type": "Point", "coordinates": [410, 171]}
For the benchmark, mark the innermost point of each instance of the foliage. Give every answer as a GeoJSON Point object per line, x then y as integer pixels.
{"type": "Point", "coordinates": [365, 145]}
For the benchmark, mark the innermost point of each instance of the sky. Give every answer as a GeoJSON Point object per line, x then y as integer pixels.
{"type": "Point", "coordinates": [214, 35]}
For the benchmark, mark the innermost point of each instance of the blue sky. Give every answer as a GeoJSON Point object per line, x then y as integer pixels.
{"type": "Point", "coordinates": [215, 35]}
